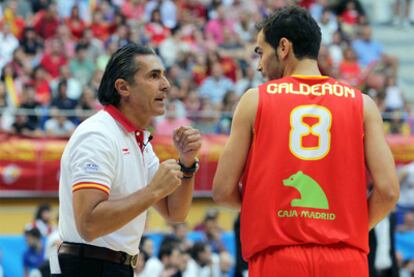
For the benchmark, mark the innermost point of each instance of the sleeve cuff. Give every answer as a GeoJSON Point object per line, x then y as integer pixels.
{"type": "Point", "coordinates": [90, 185]}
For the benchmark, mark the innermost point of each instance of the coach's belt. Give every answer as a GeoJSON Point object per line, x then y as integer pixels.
{"type": "Point", "coordinates": [99, 253]}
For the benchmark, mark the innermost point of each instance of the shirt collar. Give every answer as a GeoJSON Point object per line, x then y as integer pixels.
{"type": "Point", "coordinates": [121, 118]}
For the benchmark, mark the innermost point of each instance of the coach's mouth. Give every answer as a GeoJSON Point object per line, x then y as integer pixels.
{"type": "Point", "coordinates": [160, 99]}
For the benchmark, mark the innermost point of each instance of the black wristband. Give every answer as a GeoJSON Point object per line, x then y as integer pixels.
{"type": "Point", "coordinates": [190, 170]}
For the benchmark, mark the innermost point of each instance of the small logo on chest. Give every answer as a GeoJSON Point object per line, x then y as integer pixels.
{"type": "Point", "coordinates": [125, 151]}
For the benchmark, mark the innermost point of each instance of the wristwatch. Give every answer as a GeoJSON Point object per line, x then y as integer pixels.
{"type": "Point", "coordinates": [189, 171]}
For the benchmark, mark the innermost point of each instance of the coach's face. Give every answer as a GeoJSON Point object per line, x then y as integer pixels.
{"type": "Point", "coordinates": [149, 91]}
{"type": "Point", "coordinates": [269, 61]}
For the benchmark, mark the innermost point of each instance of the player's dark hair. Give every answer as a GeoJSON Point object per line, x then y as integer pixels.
{"type": "Point", "coordinates": [296, 25]}
{"type": "Point", "coordinates": [121, 65]}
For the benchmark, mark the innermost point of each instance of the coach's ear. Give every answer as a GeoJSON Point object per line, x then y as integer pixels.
{"type": "Point", "coordinates": [284, 48]}
{"type": "Point", "coordinates": [122, 87]}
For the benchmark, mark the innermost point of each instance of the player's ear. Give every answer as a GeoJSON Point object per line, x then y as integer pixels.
{"type": "Point", "coordinates": [122, 87]}
{"type": "Point", "coordinates": [285, 46]}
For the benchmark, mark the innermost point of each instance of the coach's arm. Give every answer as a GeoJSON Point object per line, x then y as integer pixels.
{"type": "Point", "coordinates": [226, 190]}
{"type": "Point", "coordinates": [381, 165]}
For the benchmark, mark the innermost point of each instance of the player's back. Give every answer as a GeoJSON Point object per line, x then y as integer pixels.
{"type": "Point", "coordinates": [305, 179]}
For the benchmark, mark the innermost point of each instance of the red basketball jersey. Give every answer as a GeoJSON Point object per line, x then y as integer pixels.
{"type": "Point", "coordinates": [305, 177]}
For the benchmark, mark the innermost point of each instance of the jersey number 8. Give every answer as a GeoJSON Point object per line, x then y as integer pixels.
{"type": "Point", "coordinates": [299, 129]}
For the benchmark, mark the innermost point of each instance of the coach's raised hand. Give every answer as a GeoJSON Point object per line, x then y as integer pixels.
{"type": "Point", "coordinates": [167, 179]}
{"type": "Point", "coordinates": [187, 141]}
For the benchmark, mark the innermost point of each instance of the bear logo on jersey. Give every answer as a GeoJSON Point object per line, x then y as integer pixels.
{"type": "Point", "coordinates": [311, 193]}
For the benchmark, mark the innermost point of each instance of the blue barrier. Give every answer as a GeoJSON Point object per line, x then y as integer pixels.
{"type": "Point", "coordinates": [13, 247]}
{"type": "Point", "coordinates": [404, 243]}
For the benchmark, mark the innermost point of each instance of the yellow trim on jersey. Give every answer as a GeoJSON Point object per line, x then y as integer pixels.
{"type": "Point", "coordinates": [310, 76]}
{"type": "Point", "coordinates": [90, 186]}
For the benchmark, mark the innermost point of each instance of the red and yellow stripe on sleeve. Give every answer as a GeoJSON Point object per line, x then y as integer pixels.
{"type": "Point", "coordinates": [90, 185]}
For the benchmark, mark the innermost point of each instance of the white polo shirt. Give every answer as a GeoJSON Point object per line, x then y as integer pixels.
{"type": "Point", "coordinates": [107, 153]}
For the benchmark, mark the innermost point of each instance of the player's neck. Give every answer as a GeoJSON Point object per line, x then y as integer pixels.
{"type": "Point", "coordinates": [305, 67]}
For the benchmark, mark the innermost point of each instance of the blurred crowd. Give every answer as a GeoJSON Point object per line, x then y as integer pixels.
{"type": "Point", "coordinates": [53, 54]}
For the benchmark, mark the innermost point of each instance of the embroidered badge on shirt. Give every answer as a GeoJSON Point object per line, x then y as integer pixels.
{"type": "Point", "coordinates": [91, 167]}
{"type": "Point", "coordinates": [125, 151]}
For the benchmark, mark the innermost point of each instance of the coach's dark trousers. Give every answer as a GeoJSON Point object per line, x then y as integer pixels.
{"type": "Point", "coordinates": [84, 266]}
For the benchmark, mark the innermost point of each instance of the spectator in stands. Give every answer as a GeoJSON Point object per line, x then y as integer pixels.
{"type": "Point", "coordinates": [13, 18]}
{"type": "Point", "coordinates": [171, 121]}
{"type": "Point", "coordinates": [88, 104]}
{"type": "Point", "coordinates": [202, 262]}
{"type": "Point", "coordinates": [350, 17]}
{"type": "Point", "coordinates": [31, 43]}
{"type": "Point", "coordinates": [28, 101]}
{"type": "Point", "coordinates": [402, 13]}
{"type": "Point", "coordinates": [55, 58]}
{"type": "Point", "coordinates": [96, 80]}
{"type": "Point", "coordinates": [349, 70]}
{"type": "Point", "coordinates": [395, 123]}
{"type": "Point", "coordinates": [82, 68]}
{"type": "Point", "coordinates": [33, 256]}
{"type": "Point", "coordinates": [94, 46]}
{"type": "Point", "coordinates": [168, 261]}
{"type": "Point", "coordinates": [8, 42]}
{"type": "Point", "coordinates": [73, 86]}
{"type": "Point", "coordinates": [46, 21]}
{"type": "Point", "coordinates": [99, 27]}
{"type": "Point", "coordinates": [216, 26]}
{"type": "Point", "coordinates": [122, 35]}
{"type": "Point", "coordinates": [228, 106]}
{"type": "Point", "coordinates": [22, 127]}
{"type": "Point", "coordinates": [155, 29]}
{"type": "Point", "coordinates": [250, 80]}
{"type": "Point", "coordinates": [111, 45]}
{"type": "Point", "coordinates": [59, 125]}
{"type": "Point", "coordinates": [226, 263]}
{"type": "Point", "coordinates": [328, 25]}
{"type": "Point", "coordinates": [75, 23]}
{"type": "Point", "coordinates": [41, 84]}
{"type": "Point", "coordinates": [180, 233]}
{"type": "Point", "coordinates": [42, 220]}
{"type": "Point", "coordinates": [394, 97]}
{"type": "Point", "coordinates": [215, 87]}
{"type": "Point", "coordinates": [62, 101]}
{"type": "Point", "coordinates": [13, 85]}
{"type": "Point", "coordinates": [244, 28]}
{"type": "Point", "coordinates": [371, 52]}
{"type": "Point", "coordinates": [65, 36]}
{"type": "Point", "coordinates": [172, 47]}
{"type": "Point", "coordinates": [133, 9]}
{"type": "Point", "coordinates": [336, 49]}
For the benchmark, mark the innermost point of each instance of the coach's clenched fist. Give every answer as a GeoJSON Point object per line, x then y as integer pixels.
{"type": "Point", "coordinates": [187, 140]}
{"type": "Point", "coordinates": [167, 178]}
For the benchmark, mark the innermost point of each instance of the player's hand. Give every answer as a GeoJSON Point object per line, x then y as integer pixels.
{"type": "Point", "coordinates": [167, 178]}
{"type": "Point", "coordinates": [187, 141]}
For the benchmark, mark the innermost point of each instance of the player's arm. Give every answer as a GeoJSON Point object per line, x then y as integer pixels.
{"type": "Point", "coordinates": [231, 164]}
{"type": "Point", "coordinates": [381, 165]}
